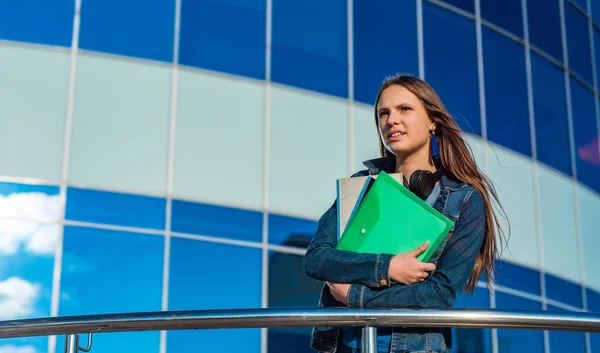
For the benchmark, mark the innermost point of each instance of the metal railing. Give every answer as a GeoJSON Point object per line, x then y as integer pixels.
{"type": "Point", "coordinates": [368, 319]}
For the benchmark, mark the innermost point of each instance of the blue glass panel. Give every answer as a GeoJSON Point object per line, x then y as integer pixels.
{"type": "Point", "coordinates": [595, 342]}
{"type": "Point", "coordinates": [445, 31]}
{"type": "Point", "coordinates": [507, 14]}
{"type": "Point", "coordinates": [593, 300]}
{"type": "Point", "coordinates": [13, 188]}
{"type": "Point", "coordinates": [563, 291]}
{"type": "Point", "coordinates": [582, 4]}
{"type": "Point", "coordinates": [585, 131]}
{"type": "Point", "coordinates": [310, 47]}
{"type": "Point", "coordinates": [518, 277]}
{"type": "Point", "coordinates": [472, 340]}
{"type": "Point", "coordinates": [543, 18]}
{"type": "Point", "coordinates": [506, 92]}
{"type": "Point", "coordinates": [224, 35]}
{"type": "Point", "coordinates": [596, 34]}
{"type": "Point", "coordinates": [139, 28]}
{"type": "Point", "coordinates": [561, 341]}
{"type": "Point", "coordinates": [550, 109]}
{"type": "Point", "coordinates": [467, 5]}
{"type": "Point", "coordinates": [512, 302]}
{"type": "Point", "coordinates": [115, 208]}
{"type": "Point", "coordinates": [38, 21]}
{"type": "Point", "coordinates": [381, 47]}
{"type": "Point", "coordinates": [196, 218]}
{"type": "Point", "coordinates": [25, 272]}
{"type": "Point", "coordinates": [479, 299]}
{"type": "Point", "coordinates": [593, 305]}
{"type": "Point", "coordinates": [214, 276]}
{"type": "Point", "coordinates": [106, 271]}
{"type": "Point", "coordinates": [290, 231]}
{"type": "Point", "coordinates": [512, 340]}
{"type": "Point", "coordinates": [596, 11]}
{"type": "Point", "coordinates": [290, 287]}
{"type": "Point", "coordinates": [288, 342]}
{"type": "Point", "coordinates": [578, 43]}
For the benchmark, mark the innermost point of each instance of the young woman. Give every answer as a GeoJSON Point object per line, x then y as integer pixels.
{"type": "Point", "coordinates": [417, 136]}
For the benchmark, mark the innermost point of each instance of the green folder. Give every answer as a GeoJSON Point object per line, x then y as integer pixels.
{"type": "Point", "coordinates": [391, 219]}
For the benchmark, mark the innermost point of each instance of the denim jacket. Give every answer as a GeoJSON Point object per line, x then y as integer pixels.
{"type": "Point", "coordinates": [368, 274]}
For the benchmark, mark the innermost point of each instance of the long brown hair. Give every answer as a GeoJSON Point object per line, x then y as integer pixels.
{"type": "Point", "coordinates": [457, 158]}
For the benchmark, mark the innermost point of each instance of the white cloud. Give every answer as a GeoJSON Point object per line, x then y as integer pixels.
{"type": "Point", "coordinates": [20, 217]}
{"type": "Point", "coordinates": [11, 348]}
{"type": "Point", "coordinates": [17, 298]}
{"type": "Point", "coordinates": [43, 241]}
{"type": "Point", "coordinates": [30, 205]}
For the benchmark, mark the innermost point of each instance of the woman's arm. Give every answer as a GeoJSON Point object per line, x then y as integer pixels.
{"type": "Point", "coordinates": [326, 263]}
{"type": "Point", "coordinates": [453, 270]}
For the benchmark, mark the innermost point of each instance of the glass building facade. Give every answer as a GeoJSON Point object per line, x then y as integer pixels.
{"type": "Point", "coordinates": [176, 154]}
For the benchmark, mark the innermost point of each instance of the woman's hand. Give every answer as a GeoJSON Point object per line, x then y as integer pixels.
{"type": "Point", "coordinates": [406, 269]}
{"type": "Point", "coordinates": [339, 291]}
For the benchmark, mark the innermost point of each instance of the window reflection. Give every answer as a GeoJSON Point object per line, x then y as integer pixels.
{"type": "Point", "coordinates": [28, 238]}
{"type": "Point", "coordinates": [290, 287]}
{"type": "Point", "coordinates": [445, 31]}
{"type": "Point", "coordinates": [317, 59]}
{"type": "Point", "coordinates": [472, 340]}
{"type": "Point", "coordinates": [578, 43]}
{"type": "Point", "coordinates": [511, 341]}
{"type": "Point", "coordinates": [106, 271]}
{"type": "Point", "coordinates": [505, 81]}
{"type": "Point", "coordinates": [543, 19]}
{"type": "Point", "coordinates": [506, 14]}
{"type": "Point", "coordinates": [563, 341]}
{"type": "Point", "coordinates": [371, 34]}
{"type": "Point", "coordinates": [206, 276]}
{"type": "Point", "coordinates": [290, 231]}
{"type": "Point", "coordinates": [467, 5]}
{"type": "Point", "coordinates": [587, 151]}
{"type": "Point", "coordinates": [550, 111]}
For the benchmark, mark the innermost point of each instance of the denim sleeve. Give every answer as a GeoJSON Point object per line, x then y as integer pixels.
{"type": "Point", "coordinates": [448, 280]}
{"type": "Point", "coordinates": [324, 262]}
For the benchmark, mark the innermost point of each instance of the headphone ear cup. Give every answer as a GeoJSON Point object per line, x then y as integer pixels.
{"type": "Point", "coordinates": [421, 183]}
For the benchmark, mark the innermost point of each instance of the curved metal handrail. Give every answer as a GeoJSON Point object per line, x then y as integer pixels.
{"type": "Point", "coordinates": [300, 317]}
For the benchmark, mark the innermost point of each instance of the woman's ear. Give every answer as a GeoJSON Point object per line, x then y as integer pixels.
{"type": "Point", "coordinates": [432, 126]}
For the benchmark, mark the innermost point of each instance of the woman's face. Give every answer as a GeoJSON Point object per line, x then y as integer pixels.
{"type": "Point", "coordinates": [403, 121]}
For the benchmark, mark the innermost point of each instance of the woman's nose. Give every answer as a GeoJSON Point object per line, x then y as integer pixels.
{"type": "Point", "coordinates": [393, 118]}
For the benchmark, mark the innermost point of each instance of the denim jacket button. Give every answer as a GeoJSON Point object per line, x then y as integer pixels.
{"type": "Point", "coordinates": [383, 282]}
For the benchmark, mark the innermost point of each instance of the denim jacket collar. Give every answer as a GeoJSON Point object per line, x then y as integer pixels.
{"type": "Point", "coordinates": [388, 164]}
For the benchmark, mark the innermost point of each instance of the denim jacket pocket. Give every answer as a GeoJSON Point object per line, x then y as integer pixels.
{"type": "Point", "coordinates": [423, 340]}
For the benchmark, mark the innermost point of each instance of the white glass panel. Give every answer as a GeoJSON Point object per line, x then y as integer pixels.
{"type": "Point", "coordinates": [512, 176]}
{"type": "Point", "coordinates": [589, 208]}
{"type": "Point", "coordinates": [219, 140]}
{"type": "Point", "coordinates": [558, 225]}
{"type": "Point", "coordinates": [120, 136]}
{"type": "Point", "coordinates": [33, 89]}
{"type": "Point", "coordinates": [477, 146]}
{"type": "Point", "coordinates": [366, 139]}
{"type": "Point", "coordinates": [308, 151]}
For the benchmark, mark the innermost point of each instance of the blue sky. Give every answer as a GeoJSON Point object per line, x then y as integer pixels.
{"type": "Point", "coordinates": [28, 235]}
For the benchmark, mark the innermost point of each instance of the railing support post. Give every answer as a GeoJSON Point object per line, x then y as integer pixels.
{"type": "Point", "coordinates": [369, 339]}
{"type": "Point", "coordinates": [71, 343]}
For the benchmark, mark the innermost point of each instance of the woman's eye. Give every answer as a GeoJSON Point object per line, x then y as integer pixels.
{"type": "Point", "coordinates": [404, 109]}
